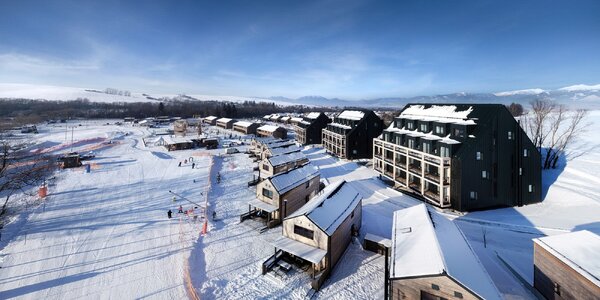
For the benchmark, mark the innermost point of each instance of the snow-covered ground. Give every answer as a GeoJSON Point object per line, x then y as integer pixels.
{"type": "Point", "coordinates": [105, 234]}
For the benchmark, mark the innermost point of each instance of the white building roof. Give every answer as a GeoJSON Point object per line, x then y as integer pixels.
{"type": "Point", "coordinates": [279, 144]}
{"type": "Point", "coordinates": [340, 125]}
{"type": "Point", "coordinates": [172, 140]}
{"type": "Point", "coordinates": [331, 207]}
{"type": "Point", "coordinates": [313, 115]}
{"type": "Point", "coordinates": [286, 118]}
{"type": "Point", "coordinates": [285, 150]}
{"type": "Point", "coordinates": [425, 243]}
{"type": "Point", "coordinates": [307, 252]}
{"type": "Point", "coordinates": [438, 113]}
{"type": "Point", "coordinates": [580, 250]}
{"type": "Point", "coordinates": [284, 182]}
{"type": "Point", "coordinates": [210, 118]}
{"type": "Point", "coordinates": [351, 115]}
{"type": "Point", "coordinates": [243, 123]}
{"type": "Point", "coordinates": [286, 158]}
{"type": "Point", "coordinates": [267, 117]}
{"type": "Point", "coordinates": [224, 120]}
{"type": "Point", "coordinates": [268, 128]}
{"type": "Point", "coordinates": [423, 135]}
{"type": "Point", "coordinates": [297, 120]}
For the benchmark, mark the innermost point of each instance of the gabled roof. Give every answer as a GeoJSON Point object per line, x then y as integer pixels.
{"type": "Point", "coordinates": [243, 123]}
{"type": "Point", "coordinates": [296, 119]}
{"type": "Point", "coordinates": [426, 243]}
{"type": "Point", "coordinates": [285, 150]}
{"type": "Point", "coordinates": [580, 250]}
{"type": "Point", "coordinates": [280, 144]}
{"type": "Point", "coordinates": [269, 128]}
{"type": "Point", "coordinates": [331, 207]}
{"type": "Point", "coordinates": [286, 158]}
{"type": "Point", "coordinates": [224, 120]}
{"type": "Point", "coordinates": [286, 181]}
{"type": "Point", "coordinates": [210, 118]}
{"type": "Point", "coordinates": [351, 115]}
{"type": "Point", "coordinates": [313, 115]}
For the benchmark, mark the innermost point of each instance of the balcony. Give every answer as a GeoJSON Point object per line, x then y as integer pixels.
{"type": "Point", "coordinates": [432, 195]}
{"type": "Point", "coordinates": [415, 186]}
{"type": "Point", "coordinates": [415, 169]}
{"type": "Point", "coordinates": [400, 163]}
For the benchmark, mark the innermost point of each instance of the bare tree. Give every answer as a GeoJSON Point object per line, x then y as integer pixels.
{"type": "Point", "coordinates": [552, 128]}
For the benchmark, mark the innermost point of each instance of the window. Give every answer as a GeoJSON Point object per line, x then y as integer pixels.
{"type": "Point", "coordinates": [444, 151]}
{"type": "Point", "coordinates": [307, 184]}
{"type": "Point", "coordinates": [307, 233]}
{"type": "Point", "coordinates": [266, 167]}
{"type": "Point", "coordinates": [531, 188]}
{"type": "Point", "coordinates": [525, 153]}
{"type": "Point", "coordinates": [352, 215]}
{"type": "Point", "coordinates": [435, 287]}
{"type": "Point", "coordinates": [459, 132]}
{"type": "Point", "coordinates": [458, 295]}
{"type": "Point", "coordinates": [426, 148]}
{"type": "Point", "coordinates": [409, 125]}
{"type": "Point", "coordinates": [411, 144]}
{"type": "Point", "coordinates": [479, 156]}
{"type": "Point", "coordinates": [485, 174]}
{"type": "Point", "coordinates": [557, 288]}
{"type": "Point", "coordinates": [306, 198]}
{"type": "Point", "coordinates": [510, 135]}
{"type": "Point", "coordinates": [439, 129]}
{"type": "Point", "coordinates": [267, 193]}
{"type": "Point", "coordinates": [520, 171]}
{"type": "Point", "coordinates": [473, 195]}
{"type": "Point", "coordinates": [423, 127]}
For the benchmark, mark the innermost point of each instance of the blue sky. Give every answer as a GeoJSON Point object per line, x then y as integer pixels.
{"type": "Point", "coordinates": [347, 49]}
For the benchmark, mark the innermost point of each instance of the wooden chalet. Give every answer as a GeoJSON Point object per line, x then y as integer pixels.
{"type": "Point", "coordinates": [272, 131]}
{"type": "Point", "coordinates": [431, 259]}
{"type": "Point", "coordinates": [245, 127]}
{"type": "Point", "coordinates": [210, 120]}
{"type": "Point", "coordinates": [225, 123]}
{"type": "Point", "coordinates": [318, 233]}
{"type": "Point", "coordinates": [281, 163]}
{"type": "Point", "coordinates": [256, 145]}
{"type": "Point", "coordinates": [282, 194]}
{"type": "Point", "coordinates": [351, 134]}
{"type": "Point", "coordinates": [567, 266]}
{"type": "Point", "coordinates": [310, 129]}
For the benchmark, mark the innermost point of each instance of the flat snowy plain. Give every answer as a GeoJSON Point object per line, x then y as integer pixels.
{"type": "Point", "coordinates": [105, 234]}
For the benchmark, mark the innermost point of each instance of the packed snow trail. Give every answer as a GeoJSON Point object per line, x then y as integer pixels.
{"type": "Point", "coordinates": [106, 234]}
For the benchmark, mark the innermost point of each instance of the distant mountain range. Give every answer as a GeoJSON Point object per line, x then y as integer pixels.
{"type": "Point", "coordinates": [575, 96]}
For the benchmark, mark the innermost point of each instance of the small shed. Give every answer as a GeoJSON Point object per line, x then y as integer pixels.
{"type": "Point", "coordinates": [70, 160]}
{"type": "Point", "coordinates": [210, 120]}
{"type": "Point", "coordinates": [173, 143]}
{"type": "Point", "coordinates": [282, 194]}
{"type": "Point", "coordinates": [319, 232]}
{"type": "Point", "coordinates": [225, 123]}
{"type": "Point", "coordinates": [567, 266]}
{"type": "Point", "coordinates": [245, 127]}
{"type": "Point", "coordinates": [272, 131]}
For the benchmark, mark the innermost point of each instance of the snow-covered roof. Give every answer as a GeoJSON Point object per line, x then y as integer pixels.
{"type": "Point", "coordinates": [307, 252]}
{"type": "Point", "coordinates": [210, 118]}
{"type": "Point", "coordinates": [313, 115]}
{"type": "Point", "coordinates": [425, 243]}
{"type": "Point", "coordinates": [263, 205]}
{"type": "Point", "coordinates": [351, 115]}
{"type": "Point", "coordinates": [267, 117]}
{"type": "Point", "coordinates": [279, 144]}
{"type": "Point", "coordinates": [580, 250]}
{"type": "Point", "coordinates": [285, 118]}
{"type": "Point", "coordinates": [438, 113]}
{"type": "Point", "coordinates": [284, 182]}
{"type": "Point", "coordinates": [423, 135]}
{"type": "Point", "coordinates": [275, 117]}
{"type": "Point", "coordinates": [285, 150]}
{"type": "Point", "coordinates": [243, 123]}
{"type": "Point", "coordinates": [340, 125]}
{"type": "Point", "coordinates": [296, 119]}
{"type": "Point", "coordinates": [171, 140]}
{"type": "Point", "coordinates": [269, 128]}
{"type": "Point", "coordinates": [224, 120]}
{"type": "Point", "coordinates": [331, 207]}
{"type": "Point", "coordinates": [286, 158]}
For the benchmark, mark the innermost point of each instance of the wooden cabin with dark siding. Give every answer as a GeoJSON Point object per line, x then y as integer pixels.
{"type": "Point", "coordinates": [210, 120]}
{"type": "Point", "coordinates": [281, 163]}
{"type": "Point", "coordinates": [310, 129]}
{"type": "Point", "coordinates": [351, 134]}
{"type": "Point", "coordinates": [565, 266]}
{"type": "Point", "coordinates": [460, 156]}
{"type": "Point", "coordinates": [272, 131]}
{"type": "Point", "coordinates": [282, 194]}
{"type": "Point", "coordinates": [430, 259]}
{"type": "Point", "coordinates": [245, 127]}
{"type": "Point", "coordinates": [320, 231]}
{"type": "Point", "coordinates": [225, 123]}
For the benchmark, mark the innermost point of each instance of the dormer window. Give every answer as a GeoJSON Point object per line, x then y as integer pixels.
{"type": "Point", "coordinates": [410, 125]}
{"type": "Point", "coordinates": [423, 127]}
{"type": "Point", "coordinates": [439, 129]}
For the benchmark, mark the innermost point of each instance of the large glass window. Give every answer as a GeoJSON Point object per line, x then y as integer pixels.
{"type": "Point", "coordinates": [426, 148]}
{"type": "Point", "coordinates": [444, 151]}
{"type": "Point", "coordinates": [307, 233]}
{"type": "Point", "coordinates": [439, 129]}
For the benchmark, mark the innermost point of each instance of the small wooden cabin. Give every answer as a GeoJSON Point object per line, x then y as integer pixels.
{"type": "Point", "coordinates": [272, 131]}
{"type": "Point", "coordinates": [225, 123]}
{"type": "Point", "coordinates": [319, 232]}
{"type": "Point", "coordinates": [284, 193]}
{"type": "Point", "coordinates": [245, 127]}
{"type": "Point", "coordinates": [173, 143]}
{"type": "Point", "coordinates": [269, 152]}
{"type": "Point", "coordinates": [210, 120]}
{"type": "Point", "coordinates": [432, 260]}
{"type": "Point", "coordinates": [281, 163]}
{"type": "Point", "coordinates": [566, 266]}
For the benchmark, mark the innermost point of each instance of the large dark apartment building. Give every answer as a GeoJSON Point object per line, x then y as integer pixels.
{"type": "Point", "coordinates": [351, 134]}
{"type": "Point", "coordinates": [460, 156]}
{"type": "Point", "coordinates": [309, 130]}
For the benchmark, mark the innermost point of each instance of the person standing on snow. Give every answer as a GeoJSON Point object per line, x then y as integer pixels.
{"type": "Point", "coordinates": [169, 213]}
{"type": "Point", "coordinates": [179, 164]}
{"type": "Point", "coordinates": [180, 209]}
{"type": "Point", "coordinates": [193, 165]}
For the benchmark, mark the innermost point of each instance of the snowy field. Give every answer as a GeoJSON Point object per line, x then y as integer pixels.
{"type": "Point", "coordinates": [106, 235]}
